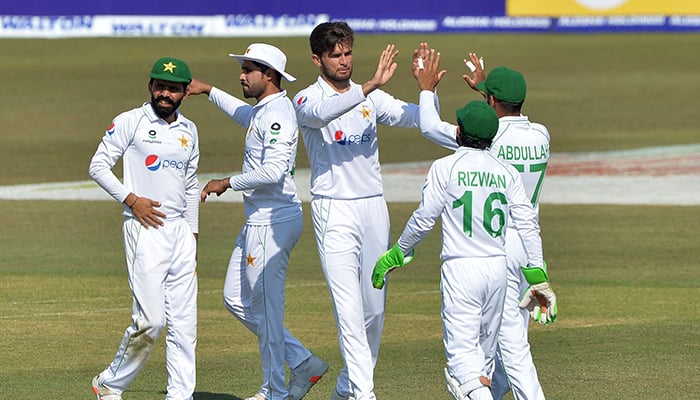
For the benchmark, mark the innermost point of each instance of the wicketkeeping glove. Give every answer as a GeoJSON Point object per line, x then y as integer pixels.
{"type": "Point", "coordinates": [392, 258]}
{"type": "Point", "coordinates": [539, 298]}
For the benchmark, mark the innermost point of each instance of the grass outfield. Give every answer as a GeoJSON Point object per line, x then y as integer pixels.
{"type": "Point", "coordinates": [594, 92]}
{"type": "Point", "coordinates": [626, 278]}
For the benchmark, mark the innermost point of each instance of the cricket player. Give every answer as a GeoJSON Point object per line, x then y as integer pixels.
{"type": "Point", "coordinates": [255, 281]}
{"type": "Point", "coordinates": [159, 149]}
{"type": "Point", "coordinates": [338, 120]}
{"type": "Point", "coordinates": [525, 145]}
{"type": "Point", "coordinates": [476, 196]}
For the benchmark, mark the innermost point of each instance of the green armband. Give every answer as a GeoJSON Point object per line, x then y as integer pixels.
{"type": "Point", "coordinates": [535, 275]}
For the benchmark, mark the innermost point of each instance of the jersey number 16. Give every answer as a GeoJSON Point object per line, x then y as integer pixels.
{"type": "Point", "coordinates": [491, 212]}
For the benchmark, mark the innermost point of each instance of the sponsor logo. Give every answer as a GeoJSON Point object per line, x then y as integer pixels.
{"type": "Point", "coordinates": [152, 138]}
{"type": "Point", "coordinates": [110, 130]}
{"type": "Point", "coordinates": [343, 139]}
{"type": "Point", "coordinates": [154, 163]}
{"type": "Point", "coordinates": [273, 141]}
{"type": "Point", "coordinates": [301, 100]}
{"type": "Point", "coordinates": [275, 129]}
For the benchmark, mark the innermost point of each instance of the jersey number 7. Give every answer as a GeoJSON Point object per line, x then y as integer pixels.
{"type": "Point", "coordinates": [541, 168]}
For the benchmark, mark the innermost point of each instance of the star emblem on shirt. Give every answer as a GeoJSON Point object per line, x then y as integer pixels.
{"type": "Point", "coordinates": [250, 260]}
{"type": "Point", "coordinates": [183, 141]}
{"type": "Point", "coordinates": [169, 67]}
{"type": "Point", "coordinates": [365, 112]}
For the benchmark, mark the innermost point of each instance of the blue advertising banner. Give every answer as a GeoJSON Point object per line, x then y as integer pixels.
{"type": "Point", "coordinates": [228, 18]}
{"type": "Point", "coordinates": [414, 9]}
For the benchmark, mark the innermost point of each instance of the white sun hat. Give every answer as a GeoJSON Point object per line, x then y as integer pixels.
{"type": "Point", "coordinates": [266, 54]}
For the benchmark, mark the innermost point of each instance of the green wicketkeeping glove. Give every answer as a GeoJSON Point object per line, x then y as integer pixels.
{"type": "Point", "coordinates": [539, 298]}
{"type": "Point", "coordinates": [392, 258]}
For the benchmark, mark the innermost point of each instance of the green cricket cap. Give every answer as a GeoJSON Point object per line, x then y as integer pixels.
{"type": "Point", "coordinates": [171, 69]}
{"type": "Point", "coordinates": [504, 84]}
{"type": "Point", "coordinates": [478, 120]}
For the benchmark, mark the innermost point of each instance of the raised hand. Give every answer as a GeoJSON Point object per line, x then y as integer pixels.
{"type": "Point", "coordinates": [198, 87]}
{"type": "Point", "coordinates": [476, 66]}
{"type": "Point", "coordinates": [385, 70]}
{"type": "Point", "coordinates": [430, 75]}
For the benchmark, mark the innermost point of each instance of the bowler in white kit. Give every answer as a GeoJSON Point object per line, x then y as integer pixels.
{"type": "Point", "coordinates": [159, 149]}
{"type": "Point", "coordinates": [339, 120]}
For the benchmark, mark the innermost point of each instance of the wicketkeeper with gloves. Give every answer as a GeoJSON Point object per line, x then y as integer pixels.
{"type": "Point", "coordinates": [475, 195]}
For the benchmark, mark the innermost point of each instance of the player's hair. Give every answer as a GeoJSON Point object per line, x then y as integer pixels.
{"type": "Point", "coordinates": [466, 141]}
{"type": "Point", "coordinates": [511, 108]}
{"type": "Point", "coordinates": [326, 36]}
{"type": "Point", "coordinates": [507, 107]}
{"type": "Point", "coordinates": [264, 68]}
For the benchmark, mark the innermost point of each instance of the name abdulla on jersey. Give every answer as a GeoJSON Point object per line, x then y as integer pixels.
{"type": "Point", "coordinates": [524, 153]}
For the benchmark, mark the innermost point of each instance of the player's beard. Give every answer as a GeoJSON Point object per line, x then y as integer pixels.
{"type": "Point", "coordinates": [164, 111]}
{"type": "Point", "coordinates": [334, 76]}
{"type": "Point", "coordinates": [252, 91]}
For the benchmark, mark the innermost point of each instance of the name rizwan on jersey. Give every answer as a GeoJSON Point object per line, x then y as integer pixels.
{"type": "Point", "coordinates": [481, 178]}
{"type": "Point", "coordinates": [523, 152]}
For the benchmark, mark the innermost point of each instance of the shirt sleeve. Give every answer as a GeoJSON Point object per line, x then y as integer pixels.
{"type": "Point", "coordinates": [524, 218]}
{"type": "Point", "coordinates": [112, 147]}
{"type": "Point", "coordinates": [276, 154]}
{"type": "Point", "coordinates": [192, 186]}
{"type": "Point", "coordinates": [423, 219]}
{"type": "Point", "coordinates": [238, 110]}
{"type": "Point", "coordinates": [432, 127]}
{"type": "Point", "coordinates": [394, 112]}
{"type": "Point", "coordinates": [317, 112]}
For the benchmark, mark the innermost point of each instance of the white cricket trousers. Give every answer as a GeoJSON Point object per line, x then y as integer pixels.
{"type": "Point", "coordinates": [162, 271]}
{"type": "Point", "coordinates": [473, 291]}
{"type": "Point", "coordinates": [254, 293]}
{"type": "Point", "coordinates": [351, 235]}
{"type": "Point", "coordinates": [515, 369]}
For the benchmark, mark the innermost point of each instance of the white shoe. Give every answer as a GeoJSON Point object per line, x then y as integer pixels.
{"type": "Point", "coordinates": [337, 396]}
{"type": "Point", "coordinates": [303, 377]}
{"type": "Point", "coordinates": [102, 392]}
{"type": "Point", "coordinates": [257, 396]}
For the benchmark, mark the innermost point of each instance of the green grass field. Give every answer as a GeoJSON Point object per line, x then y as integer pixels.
{"type": "Point", "coordinates": [627, 277]}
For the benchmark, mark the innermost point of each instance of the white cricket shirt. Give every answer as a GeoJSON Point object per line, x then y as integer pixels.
{"type": "Point", "coordinates": [524, 145]}
{"type": "Point", "coordinates": [267, 177]}
{"type": "Point", "coordinates": [340, 135]}
{"type": "Point", "coordinates": [475, 195]}
{"type": "Point", "coordinates": [159, 160]}
{"type": "Point", "coordinates": [519, 142]}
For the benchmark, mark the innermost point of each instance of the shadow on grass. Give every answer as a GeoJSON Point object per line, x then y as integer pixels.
{"type": "Point", "coordinates": [214, 396]}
